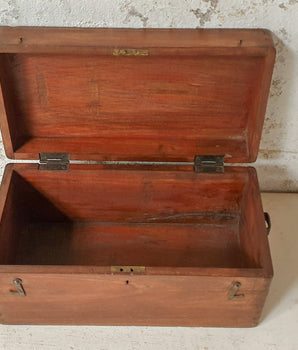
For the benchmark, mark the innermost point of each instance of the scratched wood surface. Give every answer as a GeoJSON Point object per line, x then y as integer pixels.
{"type": "Point", "coordinates": [149, 218]}
{"type": "Point", "coordinates": [194, 92]}
{"type": "Point", "coordinates": [280, 315]}
{"type": "Point", "coordinates": [144, 95]}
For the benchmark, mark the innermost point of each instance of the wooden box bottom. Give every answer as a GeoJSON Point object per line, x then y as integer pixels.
{"type": "Point", "coordinates": [132, 247]}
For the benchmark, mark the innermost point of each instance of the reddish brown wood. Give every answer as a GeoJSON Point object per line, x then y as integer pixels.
{"type": "Point", "coordinates": [7, 138]}
{"type": "Point", "coordinates": [115, 149]}
{"type": "Point", "coordinates": [104, 40]}
{"type": "Point", "coordinates": [145, 300]}
{"type": "Point", "coordinates": [203, 245]}
{"type": "Point", "coordinates": [208, 244]}
{"type": "Point", "coordinates": [209, 99]}
{"type": "Point", "coordinates": [88, 195]}
{"type": "Point", "coordinates": [197, 92]}
{"type": "Point", "coordinates": [256, 247]}
{"type": "Point", "coordinates": [255, 123]}
{"type": "Point", "coordinates": [9, 226]}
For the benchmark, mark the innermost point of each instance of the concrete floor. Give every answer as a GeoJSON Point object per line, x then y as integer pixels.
{"type": "Point", "coordinates": [278, 329]}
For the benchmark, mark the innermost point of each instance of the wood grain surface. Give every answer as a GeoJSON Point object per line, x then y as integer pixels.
{"type": "Point", "coordinates": [130, 244]}
{"type": "Point", "coordinates": [69, 237]}
{"type": "Point", "coordinates": [196, 92]}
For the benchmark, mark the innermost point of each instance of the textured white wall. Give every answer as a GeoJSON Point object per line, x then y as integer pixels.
{"type": "Point", "coordinates": [277, 163]}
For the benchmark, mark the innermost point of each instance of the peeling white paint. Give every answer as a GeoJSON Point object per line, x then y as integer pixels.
{"type": "Point", "coordinates": [277, 163]}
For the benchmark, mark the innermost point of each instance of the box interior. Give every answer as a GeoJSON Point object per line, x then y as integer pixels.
{"type": "Point", "coordinates": [154, 108]}
{"type": "Point", "coordinates": [105, 217]}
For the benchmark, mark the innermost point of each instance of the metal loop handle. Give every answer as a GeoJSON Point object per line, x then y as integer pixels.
{"type": "Point", "coordinates": [268, 222]}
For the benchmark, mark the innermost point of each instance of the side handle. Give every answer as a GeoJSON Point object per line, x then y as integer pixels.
{"type": "Point", "coordinates": [268, 222]}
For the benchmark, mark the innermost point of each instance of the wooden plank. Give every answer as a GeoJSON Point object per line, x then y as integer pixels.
{"type": "Point", "coordinates": [47, 39]}
{"type": "Point", "coordinates": [252, 231]}
{"type": "Point", "coordinates": [212, 243]}
{"type": "Point", "coordinates": [85, 194]}
{"type": "Point", "coordinates": [132, 300]}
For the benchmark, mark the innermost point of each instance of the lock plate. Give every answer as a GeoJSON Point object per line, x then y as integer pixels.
{"type": "Point", "coordinates": [128, 269]}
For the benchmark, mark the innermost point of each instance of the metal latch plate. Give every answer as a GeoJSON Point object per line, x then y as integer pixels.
{"type": "Point", "coordinates": [128, 269]}
{"type": "Point", "coordinates": [209, 164]}
{"type": "Point", "coordinates": [53, 161]}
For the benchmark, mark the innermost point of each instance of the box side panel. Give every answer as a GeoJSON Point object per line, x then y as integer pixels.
{"type": "Point", "coordinates": [7, 132]}
{"type": "Point", "coordinates": [252, 230]}
{"type": "Point", "coordinates": [132, 300]}
{"type": "Point", "coordinates": [255, 123]}
{"type": "Point", "coordinates": [10, 218]}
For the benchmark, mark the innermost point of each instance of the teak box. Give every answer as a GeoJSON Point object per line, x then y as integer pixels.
{"type": "Point", "coordinates": [156, 230]}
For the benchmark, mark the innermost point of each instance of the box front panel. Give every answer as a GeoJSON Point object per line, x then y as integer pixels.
{"type": "Point", "coordinates": [131, 299]}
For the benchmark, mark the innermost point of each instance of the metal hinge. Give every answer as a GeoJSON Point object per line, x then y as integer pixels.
{"type": "Point", "coordinates": [209, 164]}
{"type": "Point", "coordinates": [53, 161]}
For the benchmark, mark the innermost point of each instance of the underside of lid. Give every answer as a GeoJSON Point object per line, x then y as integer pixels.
{"type": "Point", "coordinates": [134, 94]}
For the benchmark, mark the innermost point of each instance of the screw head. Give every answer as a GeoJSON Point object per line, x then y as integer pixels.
{"type": "Point", "coordinates": [17, 281]}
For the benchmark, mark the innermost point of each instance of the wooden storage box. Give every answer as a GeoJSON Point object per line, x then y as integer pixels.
{"type": "Point", "coordinates": [169, 241]}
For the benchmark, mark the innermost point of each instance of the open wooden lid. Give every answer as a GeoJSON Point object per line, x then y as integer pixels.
{"type": "Point", "coordinates": [134, 94]}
